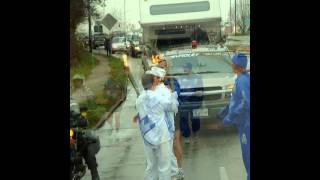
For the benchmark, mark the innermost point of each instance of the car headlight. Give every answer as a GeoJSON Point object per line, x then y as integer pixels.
{"type": "Point", "coordinates": [230, 86]}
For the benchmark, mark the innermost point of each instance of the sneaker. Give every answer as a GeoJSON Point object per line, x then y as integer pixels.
{"type": "Point", "coordinates": [95, 174]}
{"type": "Point", "coordinates": [180, 175]}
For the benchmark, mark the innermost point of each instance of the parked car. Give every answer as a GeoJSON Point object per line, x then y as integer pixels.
{"type": "Point", "coordinates": [118, 44]}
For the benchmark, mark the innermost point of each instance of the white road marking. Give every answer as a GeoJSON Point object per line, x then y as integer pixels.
{"type": "Point", "coordinates": [223, 173]}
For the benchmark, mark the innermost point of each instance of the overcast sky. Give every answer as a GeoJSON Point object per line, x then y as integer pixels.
{"type": "Point", "coordinates": [132, 9]}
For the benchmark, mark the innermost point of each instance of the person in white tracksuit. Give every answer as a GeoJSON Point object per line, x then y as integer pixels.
{"type": "Point", "coordinates": [155, 128]}
{"type": "Point", "coordinates": [166, 93]}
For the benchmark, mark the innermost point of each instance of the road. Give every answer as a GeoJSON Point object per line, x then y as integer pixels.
{"type": "Point", "coordinates": [215, 156]}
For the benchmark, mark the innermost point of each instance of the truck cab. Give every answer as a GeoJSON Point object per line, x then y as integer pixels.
{"type": "Point", "coordinates": [98, 36]}
{"type": "Point", "coordinates": [189, 32]}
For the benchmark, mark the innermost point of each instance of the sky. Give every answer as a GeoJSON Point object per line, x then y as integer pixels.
{"type": "Point", "coordinates": [132, 9]}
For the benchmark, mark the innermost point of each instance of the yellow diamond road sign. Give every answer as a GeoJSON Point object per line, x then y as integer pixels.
{"type": "Point", "coordinates": [109, 21]}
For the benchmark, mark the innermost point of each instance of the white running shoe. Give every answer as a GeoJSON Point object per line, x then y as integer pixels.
{"type": "Point", "coordinates": [180, 175]}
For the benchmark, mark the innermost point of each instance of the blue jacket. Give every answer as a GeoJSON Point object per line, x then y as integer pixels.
{"type": "Point", "coordinates": [173, 82]}
{"type": "Point", "coordinates": [238, 111]}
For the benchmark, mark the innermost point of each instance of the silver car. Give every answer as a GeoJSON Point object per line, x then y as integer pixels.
{"type": "Point", "coordinates": [208, 88]}
{"type": "Point", "coordinates": [118, 44]}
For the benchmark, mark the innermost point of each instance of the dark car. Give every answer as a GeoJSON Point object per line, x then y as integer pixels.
{"type": "Point", "coordinates": [98, 40]}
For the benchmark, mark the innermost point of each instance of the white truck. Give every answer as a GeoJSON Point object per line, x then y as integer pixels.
{"type": "Point", "coordinates": [169, 28]}
{"type": "Point", "coordinates": [183, 20]}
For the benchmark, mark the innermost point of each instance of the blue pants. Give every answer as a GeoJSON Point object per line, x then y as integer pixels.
{"type": "Point", "coordinates": [244, 134]}
{"type": "Point", "coordinates": [184, 123]}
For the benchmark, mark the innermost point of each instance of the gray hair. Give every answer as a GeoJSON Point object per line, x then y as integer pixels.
{"type": "Point", "coordinates": [147, 81]}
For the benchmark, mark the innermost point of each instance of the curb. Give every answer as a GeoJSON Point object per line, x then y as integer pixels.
{"type": "Point", "coordinates": [114, 107]}
{"type": "Point", "coordinates": [111, 110]}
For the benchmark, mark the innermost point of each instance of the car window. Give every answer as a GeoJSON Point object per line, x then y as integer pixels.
{"type": "Point", "coordinates": [118, 39]}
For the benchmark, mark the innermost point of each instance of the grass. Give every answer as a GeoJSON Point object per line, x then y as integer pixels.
{"type": "Point", "coordinates": [117, 71]}
{"type": "Point", "coordinates": [86, 64]}
{"type": "Point", "coordinates": [103, 103]}
{"type": "Point", "coordinates": [95, 112]}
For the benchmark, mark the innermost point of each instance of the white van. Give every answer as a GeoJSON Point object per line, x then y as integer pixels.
{"type": "Point", "coordinates": [182, 20]}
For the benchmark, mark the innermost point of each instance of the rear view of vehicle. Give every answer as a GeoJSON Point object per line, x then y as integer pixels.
{"type": "Point", "coordinates": [167, 24]}
{"type": "Point", "coordinates": [134, 44]}
{"type": "Point", "coordinates": [98, 40]}
{"type": "Point", "coordinates": [179, 19]}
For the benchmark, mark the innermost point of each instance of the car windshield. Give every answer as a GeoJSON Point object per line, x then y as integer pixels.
{"type": "Point", "coordinates": [135, 38]}
{"type": "Point", "coordinates": [118, 39]}
{"type": "Point", "coordinates": [201, 63]}
{"type": "Point", "coordinates": [165, 44]}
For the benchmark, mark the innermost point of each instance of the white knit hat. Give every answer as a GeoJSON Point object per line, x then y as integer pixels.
{"type": "Point", "coordinates": [156, 71]}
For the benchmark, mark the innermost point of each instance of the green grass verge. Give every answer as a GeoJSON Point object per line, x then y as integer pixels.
{"type": "Point", "coordinates": [98, 107]}
{"type": "Point", "coordinates": [85, 65]}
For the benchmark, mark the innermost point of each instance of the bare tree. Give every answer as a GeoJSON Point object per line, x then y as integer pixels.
{"type": "Point", "coordinates": [243, 13]}
{"type": "Point", "coordinates": [78, 14]}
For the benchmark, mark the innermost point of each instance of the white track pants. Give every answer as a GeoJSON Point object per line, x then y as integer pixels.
{"type": "Point", "coordinates": [158, 161]}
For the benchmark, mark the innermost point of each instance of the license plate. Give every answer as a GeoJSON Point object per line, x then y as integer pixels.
{"type": "Point", "coordinates": [200, 113]}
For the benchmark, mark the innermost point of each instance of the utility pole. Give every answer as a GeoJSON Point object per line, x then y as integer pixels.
{"type": "Point", "coordinates": [125, 25]}
{"type": "Point", "coordinates": [220, 22]}
{"type": "Point", "coordinates": [89, 19]}
{"type": "Point", "coordinates": [230, 11]}
{"type": "Point", "coordinates": [235, 17]}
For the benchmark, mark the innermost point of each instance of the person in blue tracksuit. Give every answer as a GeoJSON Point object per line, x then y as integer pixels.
{"type": "Point", "coordinates": [238, 110]}
{"type": "Point", "coordinates": [190, 80]}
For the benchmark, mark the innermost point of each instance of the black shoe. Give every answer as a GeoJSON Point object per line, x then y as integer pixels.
{"type": "Point", "coordinates": [94, 174]}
